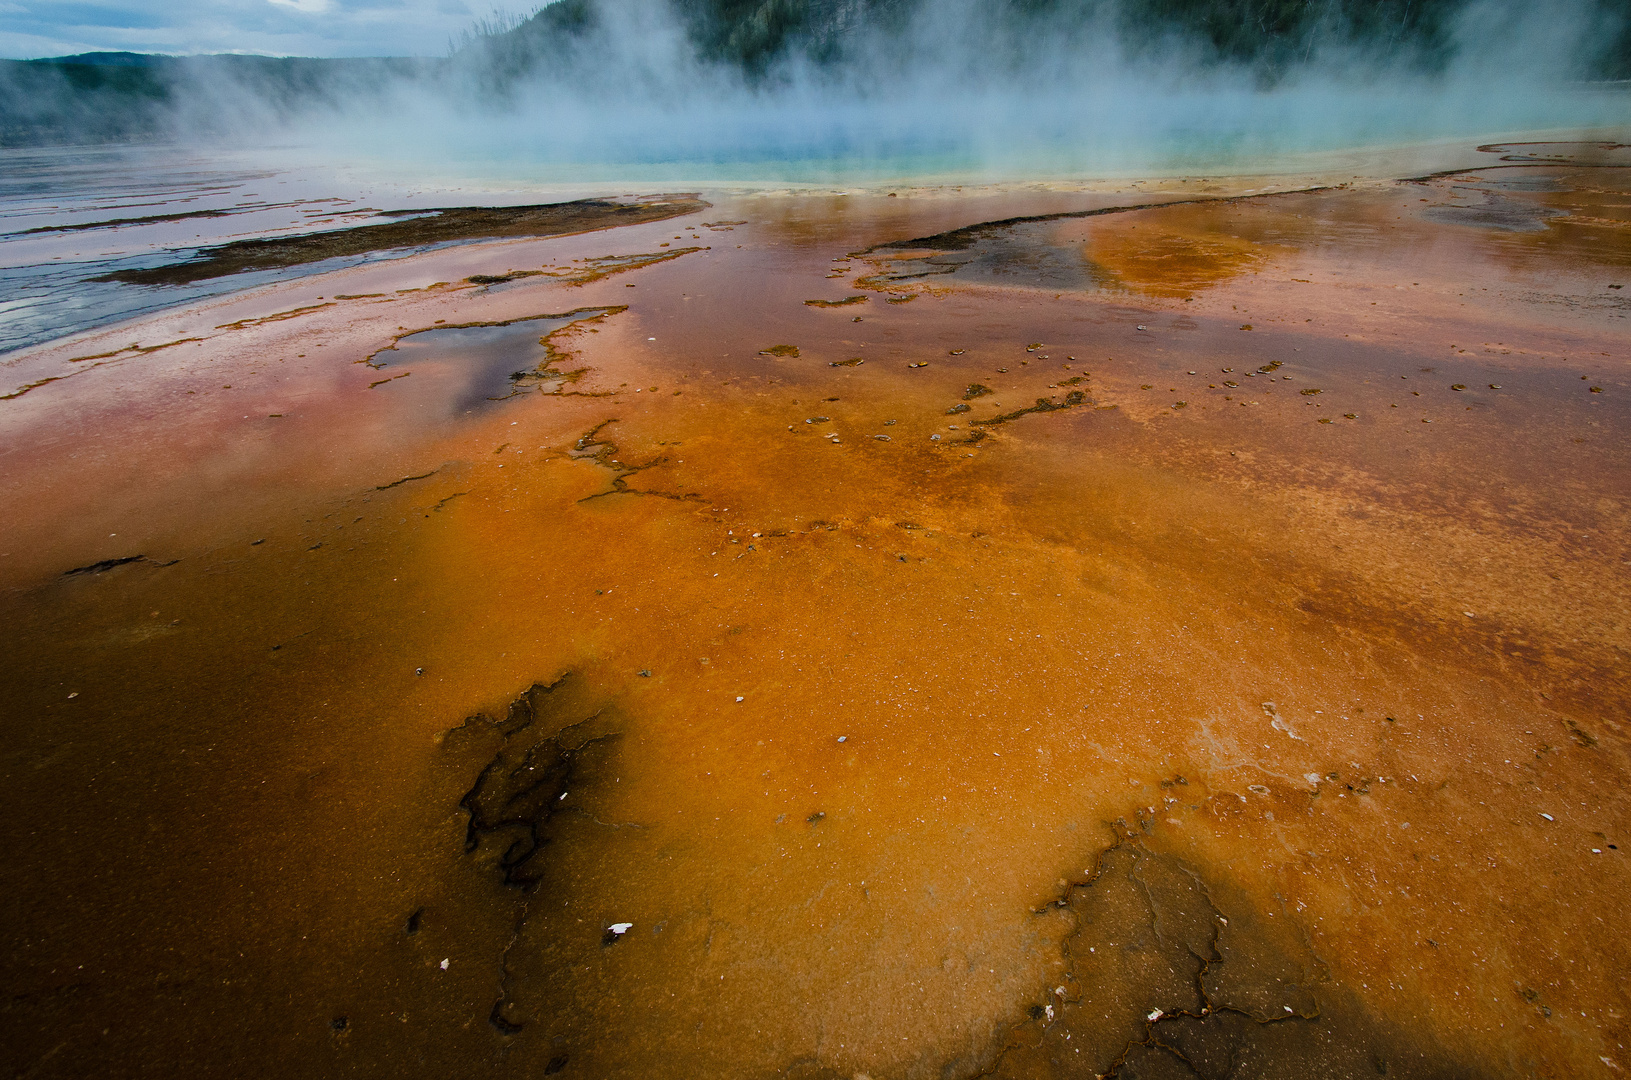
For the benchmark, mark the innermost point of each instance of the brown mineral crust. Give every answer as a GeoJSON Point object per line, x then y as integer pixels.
{"type": "Point", "coordinates": [1305, 737]}
{"type": "Point", "coordinates": [419, 228]}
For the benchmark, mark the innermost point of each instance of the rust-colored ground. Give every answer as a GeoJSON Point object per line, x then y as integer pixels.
{"type": "Point", "coordinates": [1188, 641]}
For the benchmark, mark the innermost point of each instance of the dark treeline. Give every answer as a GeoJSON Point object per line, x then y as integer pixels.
{"type": "Point", "coordinates": [1272, 36]}
{"type": "Point", "coordinates": [127, 97]}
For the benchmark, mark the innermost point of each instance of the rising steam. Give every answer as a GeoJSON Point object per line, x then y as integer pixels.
{"type": "Point", "coordinates": [625, 89]}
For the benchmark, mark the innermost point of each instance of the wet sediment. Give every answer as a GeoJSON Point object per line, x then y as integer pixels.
{"type": "Point", "coordinates": [1163, 970]}
{"type": "Point", "coordinates": [914, 729]}
{"type": "Point", "coordinates": [419, 228]}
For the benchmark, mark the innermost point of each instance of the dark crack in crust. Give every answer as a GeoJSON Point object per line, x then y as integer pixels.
{"type": "Point", "coordinates": [523, 788]}
{"type": "Point", "coordinates": [1170, 969]}
{"type": "Point", "coordinates": [603, 452]}
{"type": "Point", "coordinates": [587, 270]}
{"type": "Point", "coordinates": [1072, 399]}
{"type": "Point", "coordinates": [497, 1016]}
{"type": "Point", "coordinates": [1172, 972]}
{"type": "Point", "coordinates": [967, 236]}
{"type": "Point", "coordinates": [520, 795]}
{"type": "Point", "coordinates": [937, 255]}
{"type": "Point", "coordinates": [1585, 154]}
{"type": "Point", "coordinates": [104, 566]}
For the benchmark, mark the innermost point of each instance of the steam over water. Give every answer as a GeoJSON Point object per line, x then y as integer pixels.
{"type": "Point", "coordinates": [952, 95]}
{"type": "Point", "coordinates": [73, 215]}
{"type": "Point", "coordinates": [956, 93]}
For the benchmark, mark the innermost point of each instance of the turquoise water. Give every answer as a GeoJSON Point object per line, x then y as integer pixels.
{"type": "Point", "coordinates": [333, 172]}
{"type": "Point", "coordinates": [1118, 129]}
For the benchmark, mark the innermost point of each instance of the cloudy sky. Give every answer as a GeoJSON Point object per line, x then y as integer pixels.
{"type": "Point", "coordinates": [35, 28]}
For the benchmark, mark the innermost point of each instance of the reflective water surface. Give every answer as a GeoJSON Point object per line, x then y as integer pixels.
{"type": "Point", "coordinates": [1182, 641]}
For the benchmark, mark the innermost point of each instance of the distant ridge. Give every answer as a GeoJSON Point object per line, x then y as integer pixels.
{"type": "Point", "coordinates": [120, 97]}
{"type": "Point", "coordinates": [109, 59]}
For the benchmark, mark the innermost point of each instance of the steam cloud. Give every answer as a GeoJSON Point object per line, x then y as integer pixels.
{"type": "Point", "coordinates": [624, 89]}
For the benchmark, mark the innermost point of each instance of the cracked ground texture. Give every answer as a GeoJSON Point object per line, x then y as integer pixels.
{"type": "Point", "coordinates": [1162, 729]}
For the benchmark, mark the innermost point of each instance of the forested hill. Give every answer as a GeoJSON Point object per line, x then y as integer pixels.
{"type": "Point", "coordinates": [1272, 36]}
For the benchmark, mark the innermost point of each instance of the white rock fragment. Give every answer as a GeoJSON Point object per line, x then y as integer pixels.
{"type": "Point", "coordinates": [444, 965]}
{"type": "Point", "coordinates": [620, 928]}
{"type": "Point", "coordinates": [1272, 711]}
